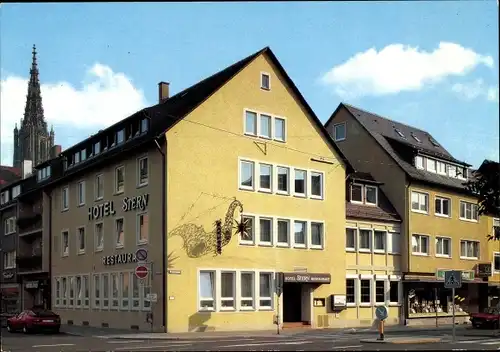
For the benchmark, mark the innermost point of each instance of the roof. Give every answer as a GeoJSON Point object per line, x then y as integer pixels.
{"type": "Point", "coordinates": [9, 174]}
{"type": "Point", "coordinates": [383, 130]}
{"type": "Point", "coordinates": [364, 177]}
{"type": "Point", "coordinates": [175, 108]}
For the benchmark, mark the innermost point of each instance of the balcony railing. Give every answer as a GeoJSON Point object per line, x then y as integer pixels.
{"type": "Point", "coordinates": [27, 262]}
{"type": "Point", "coordinates": [29, 219]}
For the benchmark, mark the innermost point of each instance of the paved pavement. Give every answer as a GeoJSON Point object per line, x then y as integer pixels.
{"type": "Point", "coordinates": [307, 341]}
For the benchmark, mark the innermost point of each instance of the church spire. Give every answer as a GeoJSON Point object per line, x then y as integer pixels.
{"type": "Point", "coordinates": [33, 112]}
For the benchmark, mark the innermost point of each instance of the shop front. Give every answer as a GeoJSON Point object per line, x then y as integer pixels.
{"type": "Point", "coordinates": [10, 298]}
{"type": "Point", "coordinates": [36, 292]}
{"type": "Point", "coordinates": [428, 302]}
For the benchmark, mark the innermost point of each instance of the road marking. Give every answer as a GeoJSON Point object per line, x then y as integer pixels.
{"type": "Point", "coordinates": [268, 343]}
{"type": "Point", "coordinates": [491, 342]}
{"type": "Point", "coordinates": [54, 345]}
{"type": "Point", "coordinates": [148, 347]}
{"type": "Point", "coordinates": [339, 347]}
{"type": "Point", "coordinates": [480, 341]}
{"type": "Point", "coordinates": [126, 341]}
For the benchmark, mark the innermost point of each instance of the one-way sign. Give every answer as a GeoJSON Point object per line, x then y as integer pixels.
{"type": "Point", "coordinates": [452, 279]}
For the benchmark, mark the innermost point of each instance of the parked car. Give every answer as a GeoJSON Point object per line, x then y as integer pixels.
{"type": "Point", "coordinates": [34, 320]}
{"type": "Point", "coordinates": [490, 318]}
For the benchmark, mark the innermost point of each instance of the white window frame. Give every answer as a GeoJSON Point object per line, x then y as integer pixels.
{"type": "Point", "coordinates": [321, 174]}
{"type": "Point", "coordinates": [65, 198]}
{"type": "Point", "coordinates": [142, 183]}
{"type": "Point", "coordinates": [105, 305]}
{"type": "Point", "coordinates": [98, 247]}
{"type": "Point", "coordinates": [10, 225]}
{"type": "Point", "coordinates": [295, 172]}
{"type": "Point", "coordinates": [116, 183]}
{"type": "Point", "coordinates": [395, 278]}
{"type": "Point", "coordinates": [339, 139]}
{"type": "Point", "coordinates": [128, 299]}
{"type": "Point", "coordinates": [227, 299]}
{"type": "Point", "coordinates": [472, 206]}
{"type": "Point", "coordinates": [431, 162]}
{"type": "Point", "coordinates": [86, 291]}
{"type": "Point", "coordinates": [65, 253]}
{"type": "Point", "coordinates": [57, 291]}
{"type": "Point", "coordinates": [419, 195]}
{"type": "Point", "coordinates": [368, 278]}
{"type": "Point", "coordinates": [269, 118]}
{"type": "Point", "coordinates": [285, 129]}
{"type": "Point", "coordinates": [443, 255]}
{"type": "Point", "coordinates": [78, 291]}
{"type": "Point", "coordinates": [322, 234]}
{"type": "Point", "coordinates": [438, 167]}
{"type": "Point", "coordinates": [370, 237]}
{"type": "Point", "coordinates": [418, 236]}
{"type": "Point", "coordinates": [97, 190]}
{"type": "Point", "coordinates": [452, 171]}
{"type": "Point", "coordinates": [271, 173]}
{"type": "Point", "coordinates": [115, 232]}
{"type": "Point", "coordinates": [466, 257]}
{"type": "Point", "coordinates": [9, 259]}
{"type": "Point", "coordinates": [355, 229]}
{"type": "Point", "coordinates": [242, 298]}
{"type": "Point", "coordinates": [271, 288]}
{"type": "Point", "coordinates": [390, 248]}
{"type": "Point", "coordinates": [365, 197]}
{"type": "Point", "coordinates": [495, 270]}
{"type": "Point", "coordinates": [386, 291]}
{"type": "Point", "coordinates": [65, 291]}
{"type": "Point", "coordinates": [253, 241]}
{"type": "Point", "coordinates": [271, 239]}
{"type": "Point", "coordinates": [306, 235]}
{"type": "Point", "coordinates": [441, 200]}
{"type": "Point", "coordinates": [80, 193]}
{"type": "Point", "coordinates": [384, 232]}
{"type": "Point", "coordinates": [262, 86]}
{"type": "Point", "coordinates": [256, 114]}
{"type": "Point", "coordinates": [288, 179]}
{"type": "Point", "coordinates": [96, 301]}
{"type": "Point", "coordinates": [288, 226]}
{"type": "Point", "coordinates": [78, 249]}
{"type": "Point", "coordinates": [355, 279]}
{"type": "Point", "coordinates": [362, 193]}
{"type": "Point", "coordinates": [214, 291]}
{"type": "Point", "coordinates": [240, 175]}
{"type": "Point", "coordinates": [114, 300]}
{"type": "Point", "coordinates": [71, 291]}
{"type": "Point", "coordinates": [138, 229]}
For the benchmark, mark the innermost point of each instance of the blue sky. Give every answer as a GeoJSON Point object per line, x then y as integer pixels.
{"type": "Point", "coordinates": [100, 62]}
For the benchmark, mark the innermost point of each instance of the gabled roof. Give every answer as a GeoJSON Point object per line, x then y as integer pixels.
{"type": "Point", "coordinates": [8, 175]}
{"type": "Point", "coordinates": [385, 132]}
{"type": "Point", "coordinates": [175, 108]}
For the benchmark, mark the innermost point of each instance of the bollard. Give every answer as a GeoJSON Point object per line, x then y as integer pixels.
{"type": "Point", "coordinates": [381, 330]}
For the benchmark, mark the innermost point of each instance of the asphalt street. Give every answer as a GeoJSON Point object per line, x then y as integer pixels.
{"type": "Point", "coordinates": [313, 341]}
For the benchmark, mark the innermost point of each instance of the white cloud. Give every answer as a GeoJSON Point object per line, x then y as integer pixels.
{"type": "Point", "coordinates": [105, 98]}
{"type": "Point", "coordinates": [399, 67]}
{"type": "Point", "coordinates": [476, 89]}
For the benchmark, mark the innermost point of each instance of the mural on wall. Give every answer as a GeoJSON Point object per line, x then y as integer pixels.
{"type": "Point", "coordinates": [197, 242]}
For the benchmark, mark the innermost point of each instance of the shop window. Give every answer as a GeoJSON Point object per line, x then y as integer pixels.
{"type": "Point", "coordinates": [58, 291]}
{"type": "Point", "coordinates": [97, 292]}
{"type": "Point", "coordinates": [79, 291]}
{"type": "Point", "coordinates": [380, 291]}
{"type": "Point", "coordinates": [64, 292]}
{"type": "Point", "coordinates": [365, 285]}
{"type": "Point", "coordinates": [125, 288]}
{"type": "Point", "coordinates": [115, 291]}
{"type": "Point", "coordinates": [136, 293]}
{"type": "Point", "coordinates": [496, 262]}
{"type": "Point", "coordinates": [86, 291]}
{"type": "Point", "coordinates": [105, 291]}
{"type": "Point", "coordinates": [350, 290]}
{"type": "Point", "coordinates": [71, 283]}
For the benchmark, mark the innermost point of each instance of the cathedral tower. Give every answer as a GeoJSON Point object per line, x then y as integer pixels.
{"type": "Point", "coordinates": [33, 141]}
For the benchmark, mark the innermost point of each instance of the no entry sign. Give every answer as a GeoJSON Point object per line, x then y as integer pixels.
{"type": "Point", "coordinates": [141, 272]}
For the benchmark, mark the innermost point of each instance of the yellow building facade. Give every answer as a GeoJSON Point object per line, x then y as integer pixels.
{"type": "Point", "coordinates": [253, 153]}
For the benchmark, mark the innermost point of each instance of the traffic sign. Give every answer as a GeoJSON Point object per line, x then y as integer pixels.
{"type": "Point", "coordinates": [382, 312]}
{"type": "Point", "coordinates": [141, 272]}
{"type": "Point", "coordinates": [452, 279]}
{"type": "Point", "coordinates": [141, 254]}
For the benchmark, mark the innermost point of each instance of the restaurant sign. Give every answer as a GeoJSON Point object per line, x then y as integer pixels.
{"type": "Point", "coordinates": [123, 258]}
{"type": "Point", "coordinates": [307, 278]}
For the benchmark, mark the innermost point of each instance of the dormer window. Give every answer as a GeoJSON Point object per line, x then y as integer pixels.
{"type": "Point", "coordinates": [399, 133]}
{"type": "Point", "coordinates": [419, 162]}
{"type": "Point", "coordinates": [144, 125]}
{"type": "Point", "coordinates": [16, 191]}
{"type": "Point", "coordinates": [97, 148]}
{"type": "Point", "coordinates": [431, 165]}
{"type": "Point", "coordinates": [76, 157]}
{"type": "Point", "coordinates": [357, 193]}
{"type": "Point", "coordinates": [265, 81]}
{"type": "Point", "coordinates": [370, 195]}
{"type": "Point", "coordinates": [441, 168]}
{"type": "Point", "coordinates": [120, 136]}
{"type": "Point", "coordinates": [4, 197]}
{"type": "Point", "coordinates": [43, 173]}
{"type": "Point", "coordinates": [462, 173]}
{"type": "Point", "coordinates": [365, 194]}
{"type": "Point", "coordinates": [83, 154]}
{"type": "Point", "coordinates": [452, 171]}
{"type": "Point", "coordinates": [433, 142]}
{"type": "Point", "coordinates": [416, 138]}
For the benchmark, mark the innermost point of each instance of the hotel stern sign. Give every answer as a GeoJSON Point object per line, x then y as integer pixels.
{"type": "Point", "coordinates": [107, 208]}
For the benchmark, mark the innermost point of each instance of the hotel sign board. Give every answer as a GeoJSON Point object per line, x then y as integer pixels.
{"type": "Point", "coordinates": [107, 208]}
{"type": "Point", "coordinates": [312, 278]}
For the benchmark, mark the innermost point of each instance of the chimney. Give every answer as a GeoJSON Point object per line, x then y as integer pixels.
{"type": "Point", "coordinates": [55, 151]}
{"type": "Point", "coordinates": [163, 91]}
{"type": "Point", "coordinates": [26, 168]}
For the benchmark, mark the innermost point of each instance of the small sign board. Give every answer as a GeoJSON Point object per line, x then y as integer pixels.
{"type": "Point", "coordinates": [141, 254]}
{"type": "Point", "coordinates": [452, 279]}
{"type": "Point", "coordinates": [381, 312]}
{"type": "Point", "coordinates": [152, 297]}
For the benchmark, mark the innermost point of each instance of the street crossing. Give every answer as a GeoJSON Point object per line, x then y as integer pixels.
{"type": "Point", "coordinates": [486, 342]}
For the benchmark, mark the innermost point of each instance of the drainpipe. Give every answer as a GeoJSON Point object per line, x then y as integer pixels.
{"type": "Point", "coordinates": [408, 250]}
{"type": "Point", "coordinates": [50, 250]}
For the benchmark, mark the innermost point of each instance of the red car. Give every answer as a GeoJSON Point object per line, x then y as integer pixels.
{"type": "Point", "coordinates": [33, 321]}
{"type": "Point", "coordinates": [490, 318]}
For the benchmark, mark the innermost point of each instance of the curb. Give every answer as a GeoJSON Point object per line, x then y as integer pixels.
{"type": "Point", "coordinates": [174, 338]}
{"type": "Point", "coordinates": [403, 340]}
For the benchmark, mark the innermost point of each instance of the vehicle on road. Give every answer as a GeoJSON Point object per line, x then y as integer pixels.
{"type": "Point", "coordinates": [34, 320]}
{"type": "Point", "coordinates": [488, 319]}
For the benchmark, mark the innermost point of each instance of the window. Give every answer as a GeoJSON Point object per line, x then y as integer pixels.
{"type": "Point", "coordinates": [496, 262]}
{"type": "Point", "coordinates": [442, 206]}
{"type": "Point", "coordinates": [441, 168]}
{"type": "Point", "coordinates": [420, 244]}
{"type": "Point", "coordinates": [247, 290]}
{"type": "Point", "coordinates": [10, 225]}
{"type": "Point", "coordinates": [380, 238]}
{"type": "Point", "coordinates": [316, 185]}
{"type": "Point", "coordinates": [431, 165]}
{"type": "Point", "coordinates": [371, 195]}
{"type": "Point", "coordinates": [265, 126]}
{"type": "Point", "coordinates": [380, 291]}
{"type": "Point", "coordinates": [125, 288]}
{"type": "Point", "coordinates": [283, 179]}
{"type": "Point", "coordinates": [99, 236]}
{"type": "Point", "coordinates": [246, 174]}
{"type": "Point", "coordinates": [300, 182]}
{"type": "Point", "coordinates": [76, 157]}
{"type": "Point", "coordinates": [64, 291]}
{"type": "Point", "coordinates": [228, 293]}
{"type": "Point", "coordinates": [416, 138]}
{"type": "Point", "coordinates": [266, 226]}
{"type": "Point", "coordinates": [119, 233]}
{"type": "Point", "coordinates": [394, 291]}
{"type": "Point", "coordinates": [469, 249]}
{"type": "Point", "coordinates": [79, 291]}
{"type": "Point", "coordinates": [99, 187]}
{"type": "Point", "coordinates": [265, 81]}
{"type": "Point", "coordinates": [120, 136]}
{"type": "Point", "coordinates": [9, 260]}
{"type": "Point", "coordinates": [350, 239]}
{"type": "Point", "coordinates": [265, 177]}
{"type": "Point", "coordinates": [58, 292]}
{"type": "Point", "coordinates": [4, 197]}
{"type": "Point", "coordinates": [97, 148]}
{"type": "Point", "coordinates": [279, 129]}
{"type": "Point", "coordinates": [83, 154]}
{"type": "Point", "coordinates": [105, 290]}
{"type": "Point", "coordinates": [115, 291]}
{"type": "Point", "coordinates": [300, 233]}
{"type": "Point", "coordinates": [356, 193]}
{"type": "Point", "coordinates": [452, 171]}
{"type": "Point", "coordinates": [265, 290]}
{"type": "Point", "coordinates": [443, 247]}
{"type": "Point", "coordinates": [80, 189]}
{"type": "Point", "coordinates": [419, 162]}
{"type": "Point", "coordinates": [65, 243]}
{"type": "Point", "coordinates": [142, 228]}
{"type": "Point", "coordinates": [97, 292]}
{"type": "Point", "coordinates": [350, 291]}
{"type": "Point", "coordinates": [393, 242]}
{"type": "Point", "coordinates": [42, 174]}
{"type": "Point", "coordinates": [283, 232]}
{"type": "Point", "coordinates": [144, 125]}
{"type": "Point", "coordinates": [339, 132]}
{"type": "Point", "coordinates": [400, 133]}
{"type": "Point", "coordinates": [317, 234]}
{"type": "Point", "coordinates": [86, 291]}
{"type": "Point", "coordinates": [365, 290]}
{"type": "Point", "coordinates": [250, 235]}
{"type": "Point", "coordinates": [143, 171]}
{"type": "Point", "coordinates": [65, 198]}
{"type": "Point", "coordinates": [419, 202]}
{"type": "Point", "coordinates": [81, 240]}
{"type": "Point", "coordinates": [365, 240]}
{"type": "Point", "coordinates": [71, 291]}
{"type": "Point", "coordinates": [468, 211]}
{"type": "Point", "coordinates": [16, 191]}
{"type": "Point", "coordinates": [119, 179]}
{"type": "Point", "coordinates": [207, 290]}
{"type": "Point", "coordinates": [250, 123]}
